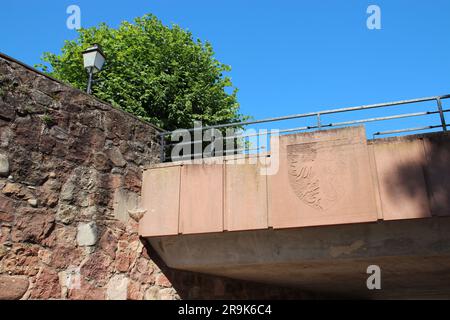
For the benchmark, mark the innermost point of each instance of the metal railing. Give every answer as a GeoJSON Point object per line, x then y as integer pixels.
{"type": "Point", "coordinates": [166, 145]}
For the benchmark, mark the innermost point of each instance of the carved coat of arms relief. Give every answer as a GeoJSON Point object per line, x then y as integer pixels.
{"type": "Point", "coordinates": [315, 175]}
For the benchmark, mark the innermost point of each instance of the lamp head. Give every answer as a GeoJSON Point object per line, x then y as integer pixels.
{"type": "Point", "coordinates": [94, 58]}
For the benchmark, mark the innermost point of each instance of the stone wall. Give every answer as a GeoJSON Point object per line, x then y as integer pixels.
{"type": "Point", "coordinates": [70, 177]}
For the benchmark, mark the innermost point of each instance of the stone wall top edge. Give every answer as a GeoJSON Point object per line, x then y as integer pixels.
{"type": "Point", "coordinates": [39, 73]}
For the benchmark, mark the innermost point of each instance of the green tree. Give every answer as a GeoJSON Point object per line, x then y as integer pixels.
{"type": "Point", "coordinates": [160, 74]}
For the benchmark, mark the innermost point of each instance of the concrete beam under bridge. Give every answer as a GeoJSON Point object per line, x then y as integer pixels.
{"type": "Point", "coordinates": [414, 257]}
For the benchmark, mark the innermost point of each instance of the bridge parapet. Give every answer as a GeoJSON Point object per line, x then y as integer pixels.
{"type": "Point", "coordinates": [327, 177]}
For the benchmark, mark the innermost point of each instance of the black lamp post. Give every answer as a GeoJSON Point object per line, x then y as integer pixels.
{"type": "Point", "coordinates": [94, 59]}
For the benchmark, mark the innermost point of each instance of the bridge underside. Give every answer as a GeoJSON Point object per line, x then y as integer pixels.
{"type": "Point", "coordinates": [414, 257]}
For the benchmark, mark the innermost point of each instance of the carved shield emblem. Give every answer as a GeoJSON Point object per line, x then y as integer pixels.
{"type": "Point", "coordinates": [315, 175]}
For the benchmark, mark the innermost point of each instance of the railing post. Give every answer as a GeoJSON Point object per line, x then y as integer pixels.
{"type": "Point", "coordinates": [319, 122]}
{"type": "Point", "coordinates": [163, 148]}
{"type": "Point", "coordinates": [213, 143]}
{"type": "Point", "coordinates": [198, 140]}
{"type": "Point", "coordinates": [441, 113]}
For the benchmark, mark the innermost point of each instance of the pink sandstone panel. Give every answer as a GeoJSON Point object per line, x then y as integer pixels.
{"type": "Point", "coordinates": [245, 196]}
{"type": "Point", "coordinates": [324, 178]}
{"type": "Point", "coordinates": [161, 200]}
{"type": "Point", "coordinates": [376, 189]}
{"type": "Point", "coordinates": [402, 186]}
{"type": "Point", "coordinates": [201, 203]}
{"type": "Point", "coordinates": [437, 150]}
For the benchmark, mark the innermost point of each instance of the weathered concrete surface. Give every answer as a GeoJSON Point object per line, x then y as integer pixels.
{"type": "Point", "coordinates": [414, 257]}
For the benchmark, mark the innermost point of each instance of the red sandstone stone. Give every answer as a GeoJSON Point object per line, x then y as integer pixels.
{"type": "Point", "coordinates": [108, 243]}
{"type": "Point", "coordinates": [4, 234]}
{"type": "Point", "coordinates": [145, 252]}
{"type": "Point", "coordinates": [133, 179]}
{"type": "Point", "coordinates": [143, 271]}
{"type": "Point", "coordinates": [6, 111]}
{"type": "Point", "coordinates": [111, 181]}
{"type": "Point", "coordinates": [13, 287]}
{"type": "Point", "coordinates": [45, 256]}
{"type": "Point", "coordinates": [162, 281]}
{"type": "Point", "coordinates": [97, 268]}
{"type": "Point", "coordinates": [46, 286]}
{"type": "Point", "coordinates": [101, 197]}
{"type": "Point", "coordinates": [6, 217]}
{"type": "Point", "coordinates": [115, 181]}
{"type": "Point", "coordinates": [132, 227]}
{"type": "Point", "coordinates": [100, 162]}
{"type": "Point", "coordinates": [12, 189]}
{"type": "Point", "coordinates": [6, 205]}
{"type": "Point", "coordinates": [122, 262]}
{"type": "Point", "coordinates": [127, 253]}
{"type": "Point", "coordinates": [62, 236]}
{"type": "Point", "coordinates": [114, 126]}
{"type": "Point", "coordinates": [97, 139]}
{"type": "Point", "coordinates": [134, 291]}
{"type": "Point", "coordinates": [65, 257]}
{"type": "Point", "coordinates": [86, 292]}
{"type": "Point", "coordinates": [21, 260]}
{"type": "Point", "coordinates": [49, 193]}
{"type": "Point", "coordinates": [32, 227]}
{"type": "Point", "coordinates": [47, 144]}
{"type": "Point", "coordinates": [78, 152]}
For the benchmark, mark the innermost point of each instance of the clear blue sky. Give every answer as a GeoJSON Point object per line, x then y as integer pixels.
{"type": "Point", "coordinates": [286, 56]}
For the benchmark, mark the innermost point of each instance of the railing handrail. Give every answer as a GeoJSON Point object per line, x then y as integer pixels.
{"type": "Point", "coordinates": [439, 110]}
{"type": "Point", "coordinates": [317, 113]}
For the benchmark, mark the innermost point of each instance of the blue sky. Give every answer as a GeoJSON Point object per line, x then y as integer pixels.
{"type": "Point", "coordinates": [286, 56]}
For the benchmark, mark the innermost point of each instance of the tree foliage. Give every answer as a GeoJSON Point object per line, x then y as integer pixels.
{"type": "Point", "coordinates": [158, 73]}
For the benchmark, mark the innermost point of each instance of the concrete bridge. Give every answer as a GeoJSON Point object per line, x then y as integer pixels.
{"type": "Point", "coordinates": [336, 205]}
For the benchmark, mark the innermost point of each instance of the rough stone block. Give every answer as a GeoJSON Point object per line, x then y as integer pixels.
{"type": "Point", "coordinates": [87, 234]}
{"type": "Point", "coordinates": [97, 268]}
{"type": "Point", "coordinates": [116, 157]}
{"type": "Point", "coordinates": [124, 201]}
{"type": "Point", "coordinates": [4, 165]}
{"type": "Point", "coordinates": [32, 226]}
{"type": "Point", "coordinates": [13, 287]}
{"type": "Point", "coordinates": [47, 285]}
{"type": "Point", "coordinates": [117, 288]}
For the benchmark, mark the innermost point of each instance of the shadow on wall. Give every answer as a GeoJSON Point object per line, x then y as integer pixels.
{"type": "Point", "coordinates": [195, 286]}
{"type": "Point", "coordinates": [414, 175]}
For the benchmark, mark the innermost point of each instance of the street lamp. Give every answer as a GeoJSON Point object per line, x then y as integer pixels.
{"type": "Point", "coordinates": [94, 59]}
